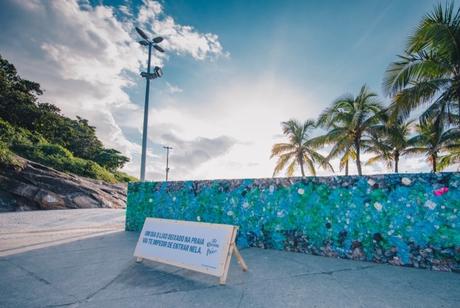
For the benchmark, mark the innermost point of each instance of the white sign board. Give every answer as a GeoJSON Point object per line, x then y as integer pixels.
{"type": "Point", "coordinates": [202, 247]}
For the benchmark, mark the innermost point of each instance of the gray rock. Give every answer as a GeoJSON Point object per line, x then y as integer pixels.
{"type": "Point", "coordinates": [37, 187]}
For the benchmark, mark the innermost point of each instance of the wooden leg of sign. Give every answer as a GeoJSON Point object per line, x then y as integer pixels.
{"type": "Point", "coordinates": [240, 259]}
{"type": "Point", "coordinates": [223, 278]}
{"type": "Point", "coordinates": [139, 260]}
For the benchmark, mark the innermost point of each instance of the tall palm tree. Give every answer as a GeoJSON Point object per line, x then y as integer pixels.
{"type": "Point", "coordinates": [388, 142]}
{"type": "Point", "coordinates": [433, 141]}
{"type": "Point", "coordinates": [429, 70]}
{"type": "Point", "coordinates": [348, 120]}
{"type": "Point", "coordinates": [299, 151]}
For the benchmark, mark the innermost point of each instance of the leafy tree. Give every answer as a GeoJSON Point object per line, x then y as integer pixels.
{"type": "Point", "coordinates": [299, 151]}
{"type": "Point", "coordinates": [348, 120]}
{"type": "Point", "coordinates": [389, 142]}
{"type": "Point", "coordinates": [40, 132]}
{"type": "Point", "coordinates": [110, 159]}
{"type": "Point", "coordinates": [433, 141]}
{"type": "Point", "coordinates": [429, 70]}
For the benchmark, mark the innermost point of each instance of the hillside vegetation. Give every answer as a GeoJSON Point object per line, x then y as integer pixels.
{"type": "Point", "coordinates": [39, 132]}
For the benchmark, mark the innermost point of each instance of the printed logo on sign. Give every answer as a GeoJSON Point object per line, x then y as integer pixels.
{"type": "Point", "coordinates": [212, 247]}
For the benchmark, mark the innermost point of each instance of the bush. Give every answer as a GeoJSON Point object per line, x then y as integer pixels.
{"type": "Point", "coordinates": [61, 159]}
{"type": "Point", "coordinates": [5, 154]}
{"type": "Point", "coordinates": [36, 148]}
{"type": "Point", "coordinates": [124, 177]}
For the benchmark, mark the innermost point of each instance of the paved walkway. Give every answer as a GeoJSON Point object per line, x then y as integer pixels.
{"type": "Point", "coordinates": [101, 272]}
{"type": "Point", "coordinates": [24, 231]}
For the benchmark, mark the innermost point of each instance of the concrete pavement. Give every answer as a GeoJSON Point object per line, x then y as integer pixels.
{"type": "Point", "coordinates": [101, 272]}
{"type": "Point", "coordinates": [24, 231]}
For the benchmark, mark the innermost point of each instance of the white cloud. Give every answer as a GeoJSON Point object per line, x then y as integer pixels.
{"type": "Point", "coordinates": [81, 55]}
{"type": "Point", "coordinates": [172, 89]}
{"type": "Point", "coordinates": [85, 58]}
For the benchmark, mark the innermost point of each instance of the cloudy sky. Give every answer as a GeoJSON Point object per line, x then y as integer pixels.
{"type": "Point", "coordinates": [233, 70]}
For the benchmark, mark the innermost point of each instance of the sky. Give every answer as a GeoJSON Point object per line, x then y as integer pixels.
{"type": "Point", "coordinates": [233, 71]}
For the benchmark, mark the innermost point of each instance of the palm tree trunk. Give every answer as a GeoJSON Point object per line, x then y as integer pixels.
{"type": "Point", "coordinates": [396, 162]}
{"type": "Point", "coordinates": [358, 160]}
{"type": "Point", "coordinates": [434, 161]}
{"type": "Point", "coordinates": [346, 168]}
{"type": "Point", "coordinates": [301, 167]}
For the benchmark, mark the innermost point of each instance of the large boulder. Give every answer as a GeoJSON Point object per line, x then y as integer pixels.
{"type": "Point", "coordinates": [33, 186]}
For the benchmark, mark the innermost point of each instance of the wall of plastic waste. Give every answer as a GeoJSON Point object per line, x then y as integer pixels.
{"type": "Point", "coordinates": [401, 219]}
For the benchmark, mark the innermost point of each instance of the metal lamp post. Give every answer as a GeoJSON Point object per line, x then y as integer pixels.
{"type": "Point", "coordinates": [157, 73]}
{"type": "Point", "coordinates": [167, 148]}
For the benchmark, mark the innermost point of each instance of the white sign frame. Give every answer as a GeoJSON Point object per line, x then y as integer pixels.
{"type": "Point", "coordinates": [228, 247]}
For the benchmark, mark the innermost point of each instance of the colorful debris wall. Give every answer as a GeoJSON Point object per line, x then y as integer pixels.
{"type": "Point", "coordinates": [401, 219]}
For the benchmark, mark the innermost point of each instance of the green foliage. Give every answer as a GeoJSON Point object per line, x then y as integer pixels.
{"type": "Point", "coordinates": [428, 71]}
{"type": "Point", "coordinates": [60, 158]}
{"type": "Point", "coordinates": [348, 120]}
{"type": "Point", "coordinates": [110, 159]}
{"type": "Point", "coordinates": [432, 140]}
{"type": "Point", "coordinates": [6, 157]}
{"type": "Point", "coordinates": [299, 151]}
{"type": "Point", "coordinates": [388, 142]}
{"type": "Point", "coordinates": [124, 177]}
{"type": "Point", "coordinates": [39, 132]}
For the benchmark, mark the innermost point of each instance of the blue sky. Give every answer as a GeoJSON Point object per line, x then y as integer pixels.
{"type": "Point", "coordinates": [234, 70]}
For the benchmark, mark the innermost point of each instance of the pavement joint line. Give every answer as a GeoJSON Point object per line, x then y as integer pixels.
{"type": "Point", "coordinates": [242, 295]}
{"type": "Point", "coordinates": [130, 265]}
{"type": "Point", "coordinates": [30, 273]}
{"type": "Point", "coordinates": [40, 279]}
{"type": "Point", "coordinates": [90, 296]}
{"type": "Point", "coordinates": [360, 268]}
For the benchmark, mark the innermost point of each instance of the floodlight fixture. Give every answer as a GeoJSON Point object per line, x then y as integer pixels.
{"type": "Point", "coordinates": [142, 34]}
{"type": "Point", "coordinates": [158, 39]}
{"type": "Point", "coordinates": [158, 71]}
{"type": "Point", "coordinates": [158, 48]}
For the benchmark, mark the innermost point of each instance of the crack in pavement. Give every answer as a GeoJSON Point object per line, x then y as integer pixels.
{"type": "Point", "coordinates": [30, 273]}
{"type": "Point", "coordinates": [360, 268]}
{"type": "Point", "coordinates": [88, 297]}
{"type": "Point", "coordinates": [40, 279]}
{"type": "Point", "coordinates": [242, 295]}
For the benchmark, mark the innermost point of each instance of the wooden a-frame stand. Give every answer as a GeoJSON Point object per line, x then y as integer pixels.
{"type": "Point", "coordinates": [232, 250]}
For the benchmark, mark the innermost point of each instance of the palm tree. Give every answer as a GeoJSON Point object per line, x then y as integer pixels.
{"type": "Point", "coordinates": [348, 120]}
{"type": "Point", "coordinates": [388, 142]}
{"type": "Point", "coordinates": [299, 151]}
{"type": "Point", "coordinates": [429, 70]}
{"type": "Point", "coordinates": [344, 163]}
{"type": "Point", "coordinates": [433, 141]}
{"type": "Point", "coordinates": [452, 157]}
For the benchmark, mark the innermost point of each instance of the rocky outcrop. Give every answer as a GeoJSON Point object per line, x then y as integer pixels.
{"type": "Point", "coordinates": [33, 186]}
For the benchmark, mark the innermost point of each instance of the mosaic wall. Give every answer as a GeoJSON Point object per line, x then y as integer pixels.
{"type": "Point", "coordinates": [407, 219]}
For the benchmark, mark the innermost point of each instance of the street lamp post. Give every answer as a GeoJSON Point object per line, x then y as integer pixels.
{"type": "Point", "coordinates": [167, 160]}
{"type": "Point", "coordinates": [157, 73]}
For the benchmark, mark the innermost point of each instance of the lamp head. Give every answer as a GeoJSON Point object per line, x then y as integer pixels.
{"type": "Point", "coordinates": [142, 34]}
{"type": "Point", "coordinates": [158, 71]}
{"type": "Point", "coordinates": [158, 39]}
{"type": "Point", "coordinates": [158, 48]}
